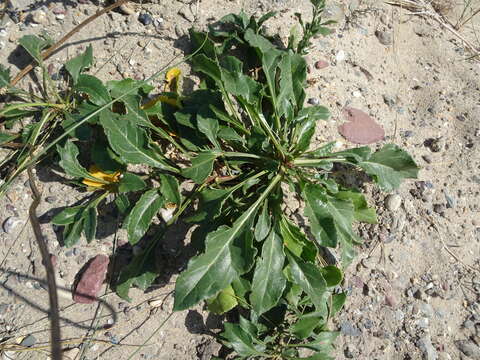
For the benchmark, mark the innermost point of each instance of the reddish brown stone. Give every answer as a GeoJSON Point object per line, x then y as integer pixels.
{"type": "Point", "coordinates": [360, 128]}
{"type": "Point", "coordinates": [321, 64]}
{"type": "Point", "coordinates": [91, 280]}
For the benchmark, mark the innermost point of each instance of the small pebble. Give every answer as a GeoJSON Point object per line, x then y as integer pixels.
{"type": "Point", "coordinates": [145, 19]}
{"type": "Point", "coordinates": [469, 348]}
{"type": "Point", "coordinates": [39, 17]}
{"type": "Point", "coordinates": [51, 199]}
{"type": "Point", "coordinates": [393, 202]}
{"type": "Point", "coordinates": [385, 38]}
{"type": "Point", "coordinates": [71, 354]}
{"type": "Point", "coordinates": [30, 340]}
{"type": "Point", "coordinates": [126, 9]}
{"type": "Point", "coordinates": [341, 55]}
{"type": "Point", "coordinates": [314, 101]}
{"type": "Point", "coordinates": [321, 64]}
{"type": "Point", "coordinates": [10, 224]}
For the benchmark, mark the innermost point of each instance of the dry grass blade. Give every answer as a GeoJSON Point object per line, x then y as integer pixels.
{"type": "Point", "coordinates": [422, 8]}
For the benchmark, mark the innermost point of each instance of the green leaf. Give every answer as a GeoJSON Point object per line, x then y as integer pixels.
{"type": "Point", "coordinates": [303, 134]}
{"type": "Point", "coordinates": [295, 241]}
{"type": "Point", "coordinates": [209, 127]}
{"type": "Point", "coordinates": [169, 188]}
{"type": "Point", "coordinates": [5, 138]}
{"type": "Point", "coordinates": [202, 166]}
{"type": "Point", "coordinates": [80, 62]}
{"type": "Point", "coordinates": [130, 142]}
{"type": "Point", "coordinates": [207, 66]}
{"type": "Point", "coordinates": [332, 275]}
{"type": "Point", "coordinates": [223, 302]}
{"type": "Point", "coordinates": [221, 263]}
{"type": "Point", "coordinates": [122, 203]}
{"type": "Point", "coordinates": [305, 324]}
{"type": "Point", "coordinates": [68, 215]}
{"type": "Point", "coordinates": [34, 45]}
{"type": "Point", "coordinates": [72, 233]}
{"type": "Point", "coordinates": [140, 218]}
{"type": "Point", "coordinates": [140, 272]}
{"type": "Point", "coordinates": [389, 166]}
{"type": "Point", "coordinates": [228, 134]}
{"type": "Point", "coordinates": [362, 211]}
{"type": "Point", "coordinates": [71, 166]}
{"type": "Point", "coordinates": [104, 157]}
{"type": "Point", "coordinates": [130, 182]}
{"type": "Point", "coordinates": [310, 278]}
{"type": "Point", "coordinates": [90, 223]}
{"type": "Point", "coordinates": [262, 228]}
{"type": "Point", "coordinates": [241, 341]}
{"type": "Point", "coordinates": [258, 41]}
{"type": "Point", "coordinates": [337, 303]}
{"type": "Point", "coordinates": [211, 203]}
{"type": "Point", "coordinates": [330, 220]}
{"type": "Point", "coordinates": [93, 87]}
{"type": "Point", "coordinates": [322, 342]}
{"type": "Point", "coordinates": [4, 76]}
{"type": "Point", "coordinates": [238, 84]}
{"type": "Point", "coordinates": [268, 280]}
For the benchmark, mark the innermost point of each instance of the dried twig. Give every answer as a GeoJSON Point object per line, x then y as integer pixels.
{"type": "Point", "coordinates": [47, 262]}
{"type": "Point", "coordinates": [46, 53]}
{"type": "Point", "coordinates": [420, 8]}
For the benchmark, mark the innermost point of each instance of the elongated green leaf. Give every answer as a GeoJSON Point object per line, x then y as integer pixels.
{"type": "Point", "coordinates": [322, 223]}
{"type": "Point", "coordinates": [209, 127]}
{"type": "Point", "coordinates": [222, 262]}
{"type": "Point", "coordinates": [295, 241]}
{"type": "Point", "coordinates": [202, 166]}
{"type": "Point", "coordinates": [237, 83]}
{"type": "Point", "coordinates": [140, 218]}
{"type": "Point", "coordinates": [268, 280]}
{"type": "Point", "coordinates": [338, 300]}
{"type": "Point", "coordinates": [241, 341]}
{"type": "Point", "coordinates": [131, 182]}
{"type": "Point", "coordinates": [362, 211]}
{"type": "Point", "coordinates": [169, 188]}
{"type": "Point", "coordinates": [322, 342]}
{"type": "Point", "coordinates": [34, 45]}
{"type": "Point", "coordinates": [69, 163]}
{"type": "Point", "coordinates": [262, 228]}
{"type": "Point", "coordinates": [305, 324]}
{"type": "Point", "coordinates": [330, 220]}
{"type": "Point", "coordinates": [207, 66]}
{"type": "Point", "coordinates": [4, 76]}
{"type": "Point", "coordinates": [72, 233]}
{"type": "Point", "coordinates": [68, 215]}
{"type": "Point", "coordinates": [303, 134]}
{"type": "Point", "coordinates": [389, 166]}
{"type": "Point", "coordinates": [80, 62]}
{"type": "Point", "coordinates": [332, 275]}
{"type": "Point", "coordinates": [140, 272]}
{"type": "Point", "coordinates": [122, 203]}
{"type": "Point", "coordinates": [130, 142]}
{"type": "Point", "coordinates": [211, 203]}
{"type": "Point", "coordinates": [4, 138]}
{"type": "Point", "coordinates": [90, 223]}
{"type": "Point", "coordinates": [310, 278]}
{"type": "Point", "coordinates": [93, 87]}
{"type": "Point", "coordinates": [223, 302]}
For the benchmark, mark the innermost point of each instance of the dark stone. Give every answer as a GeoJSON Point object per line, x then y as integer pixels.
{"type": "Point", "coordinates": [91, 280]}
{"type": "Point", "coordinates": [145, 19]}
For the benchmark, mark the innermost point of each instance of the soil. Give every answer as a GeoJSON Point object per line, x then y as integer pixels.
{"type": "Point", "coordinates": [415, 285]}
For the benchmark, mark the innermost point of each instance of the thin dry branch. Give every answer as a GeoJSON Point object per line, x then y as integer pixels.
{"type": "Point", "coordinates": [46, 53]}
{"type": "Point", "coordinates": [422, 8]}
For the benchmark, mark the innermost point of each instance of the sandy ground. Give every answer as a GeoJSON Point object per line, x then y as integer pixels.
{"type": "Point", "coordinates": [414, 288]}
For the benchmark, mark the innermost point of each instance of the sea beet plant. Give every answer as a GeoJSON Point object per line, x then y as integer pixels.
{"type": "Point", "coordinates": [242, 141]}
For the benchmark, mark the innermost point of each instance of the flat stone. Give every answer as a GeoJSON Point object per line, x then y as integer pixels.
{"type": "Point", "coordinates": [321, 64]}
{"type": "Point", "coordinates": [10, 224]}
{"type": "Point", "coordinates": [30, 340]}
{"type": "Point", "coordinates": [469, 348]}
{"type": "Point", "coordinates": [346, 328]}
{"type": "Point", "coordinates": [360, 128]}
{"type": "Point", "coordinates": [91, 280]}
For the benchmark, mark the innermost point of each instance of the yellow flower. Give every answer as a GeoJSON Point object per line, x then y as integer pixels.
{"type": "Point", "coordinates": [96, 172]}
{"type": "Point", "coordinates": [172, 82]}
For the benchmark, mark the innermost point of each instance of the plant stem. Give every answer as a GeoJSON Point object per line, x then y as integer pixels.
{"type": "Point", "coordinates": [315, 162]}
{"type": "Point", "coordinates": [24, 105]}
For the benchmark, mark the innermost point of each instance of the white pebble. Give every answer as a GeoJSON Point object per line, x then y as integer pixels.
{"type": "Point", "coordinates": [11, 223]}
{"type": "Point", "coordinates": [340, 56]}
{"type": "Point", "coordinates": [393, 202]}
